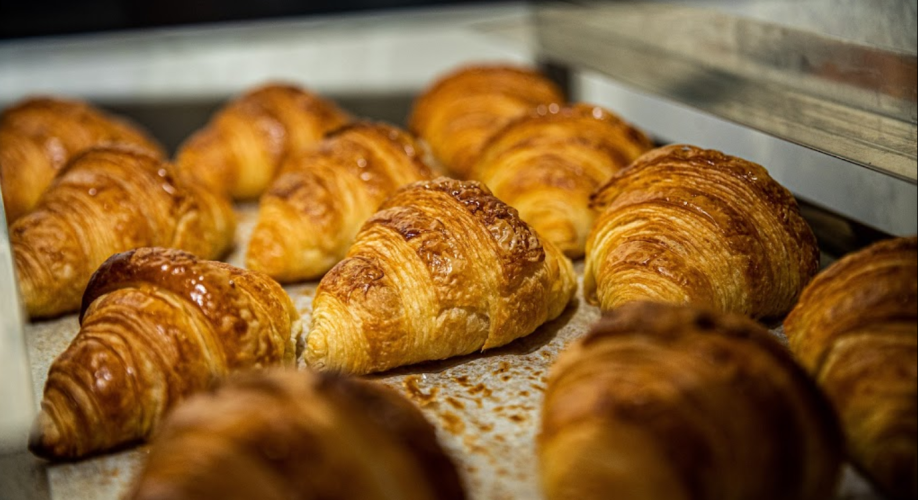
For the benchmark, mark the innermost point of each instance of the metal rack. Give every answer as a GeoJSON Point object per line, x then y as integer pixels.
{"type": "Point", "coordinates": [771, 66]}
{"type": "Point", "coordinates": [779, 67]}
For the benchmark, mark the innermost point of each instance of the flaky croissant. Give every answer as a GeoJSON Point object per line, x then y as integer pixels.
{"type": "Point", "coordinates": [548, 163]}
{"type": "Point", "coordinates": [241, 148]}
{"type": "Point", "coordinates": [297, 435]}
{"type": "Point", "coordinates": [39, 136]}
{"type": "Point", "coordinates": [461, 111]}
{"type": "Point", "coordinates": [156, 325]}
{"type": "Point", "coordinates": [443, 269]}
{"type": "Point", "coordinates": [109, 200]}
{"type": "Point", "coordinates": [308, 218]}
{"type": "Point", "coordinates": [687, 225]}
{"type": "Point", "coordinates": [669, 402]}
{"type": "Point", "coordinates": [856, 330]}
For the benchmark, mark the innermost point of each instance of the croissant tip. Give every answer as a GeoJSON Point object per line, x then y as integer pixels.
{"type": "Point", "coordinates": [45, 438]}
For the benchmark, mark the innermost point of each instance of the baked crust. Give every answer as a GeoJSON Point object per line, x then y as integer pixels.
{"type": "Point", "coordinates": [455, 270]}
{"type": "Point", "coordinates": [688, 225]}
{"type": "Point", "coordinates": [241, 149]}
{"type": "Point", "coordinates": [856, 330]}
{"type": "Point", "coordinates": [157, 325]}
{"type": "Point", "coordinates": [40, 135]}
{"type": "Point", "coordinates": [309, 216]}
{"type": "Point", "coordinates": [109, 200]}
{"type": "Point", "coordinates": [460, 112]}
{"type": "Point", "coordinates": [287, 434]}
{"type": "Point", "coordinates": [547, 163]}
{"type": "Point", "coordinates": [665, 401]}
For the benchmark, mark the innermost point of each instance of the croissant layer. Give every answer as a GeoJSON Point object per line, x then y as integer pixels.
{"type": "Point", "coordinates": [460, 112]}
{"type": "Point", "coordinates": [664, 401]}
{"type": "Point", "coordinates": [156, 325]}
{"type": "Point", "coordinates": [301, 435]}
{"type": "Point", "coordinates": [455, 270]}
{"type": "Point", "coordinates": [691, 226]}
{"type": "Point", "coordinates": [309, 216]}
{"type": "Point", "coordinates": [109, 200]}
{"type": "Point", "coordinates": [240, 150]}
{"type": "Point", "coordinates": [856, 330]}
{"type": "Point", "coordinates": [40, 135]}
{"type": "Point", "coordinates": [548, 163]}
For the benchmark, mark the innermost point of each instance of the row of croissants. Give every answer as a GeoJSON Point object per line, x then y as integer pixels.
{"type": "Point", "coordinates": [677, 393]}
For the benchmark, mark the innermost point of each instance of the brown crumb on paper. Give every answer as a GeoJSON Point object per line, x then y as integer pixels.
{"type": "Point", "coordinates": [452, 423]}
{"type": "Point", "coordinates": [414, 391]}
{"type": "Point", "coordinates": [455, 403]}
{"type": "Point", "coordinates": [480, 389]}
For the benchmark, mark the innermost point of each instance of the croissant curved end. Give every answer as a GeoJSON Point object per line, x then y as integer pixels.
{"type": "Point", "coordinates": [45, 439]}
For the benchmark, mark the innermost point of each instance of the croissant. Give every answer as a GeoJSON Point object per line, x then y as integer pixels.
{"type": "Point", "coordinates": [242, 146]}
{"type": "Point", "coordinates": [856, 330]}
{"type": "Point", "coordinates": [156, 325]}
{"type": "Point", "coordinates": [443, 269]}
{"type": "Point", "coordinates": [687, 225]}
{"type": "Point", "coordinates": [308, 218]}
{"type": "Point", "coordinates": [39, 136]}
{"type": "Point", "coordinates": [109, 200]}
{"type": "Point", "coordinates": [547, 164]}
{"type": "Point", "coordinates": [287, 434]}
{"type": "Point", "coordinates": [671, 402]}
{"type": "Point", "coordinates": [460, 112]}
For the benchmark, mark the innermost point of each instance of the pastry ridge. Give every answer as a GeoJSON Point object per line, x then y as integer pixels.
{"type": "Point", "coordinates": [288, 434]}
{"type": "Point", "coordinates": [855, 330]}
{"type": "Point", "coordinates": [459, 112]}
{"type": "Point", "coordinates": [240, 150]}
{"type": "Point", "coordinates": [687, 225]}
{"type": "Point", "coordinates": [40, 135]}
{"type": "Point", "coordinates": [314, 208]}
{"type": "Point", "coordinates": [666, 401]}
{"type": "Point", "coordinates": [547, 163]}
{"type": "Point", "coordinates": [457, 270]}
{"type": "Point", "coordinates": [157, 325]}
{"type": "Point", "coordinates": [108, 200]}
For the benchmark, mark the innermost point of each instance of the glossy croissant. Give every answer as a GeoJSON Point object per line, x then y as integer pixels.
{"type": "Point", "coordinates": [297, 435]}
{"type": "Point", "coordinates": [156, 326]}
{"type": "Point", "coordinates": [240, 150]}
{"type": "Point", "coordinates": [691, 226]}
{"type": "Point", "coordinates": [460, 112]}
{"type": "Point", "coordinates": [856, 330]}
{"type": "Point", "coordinates": [548, 163]}
{"type": "Point", "coordinates": [309, 216]}
{"type": "Point", "coordinates": [671, 402]}
{"type": "Point", "coordinates": [443, 269]}
{"type": "Point", "coordinates": [109, 200]}
{"type": "Point", "coordinates": [38, 136]}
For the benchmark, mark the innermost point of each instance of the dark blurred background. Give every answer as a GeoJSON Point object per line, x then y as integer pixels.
{"type": "Point", "coordinates": [29, 18]}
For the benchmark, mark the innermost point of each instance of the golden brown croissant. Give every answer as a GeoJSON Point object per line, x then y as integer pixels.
{"type": "Point", "coordinates": [241, 148]}
{"type": "Point", "coordinates": [547, 164]}
{"type": "Point", "coordinates": [687, 225]}
{"type": "Point", "coordinates": [669, 402]}
{"type": "Point", "coordinates": [297, 435]}
{"type": "Point", "coordinates": [856, 330]}
{"type": "Point", "coordinates": [108, 200]}
{"type": "Point", "coordinates": [461, 111]}
{"type": "Point", "coordinates": [308, 218]}
{"type": "Point", "coordinates": [156, 325]}
{"type": "Point", "coordinates": [443, 269]}
{"type": "Point", "coordinates": [38, 136]}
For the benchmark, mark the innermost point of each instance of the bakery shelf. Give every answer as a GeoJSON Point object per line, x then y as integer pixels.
{"type": "Point", "coordinates": [485, 406]}
{"type": "Point", "coordinates": [837, 77]}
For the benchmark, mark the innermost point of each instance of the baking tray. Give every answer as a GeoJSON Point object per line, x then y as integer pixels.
{"type": "Point", "coordinates": [485, 406]}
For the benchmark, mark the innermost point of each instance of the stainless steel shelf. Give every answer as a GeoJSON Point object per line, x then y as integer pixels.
{"type": "Point", "coordinates": [854, 98]}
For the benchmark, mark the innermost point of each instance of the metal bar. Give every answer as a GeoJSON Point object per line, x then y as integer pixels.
{"type": "Point", "coordinates": [844, 99]}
